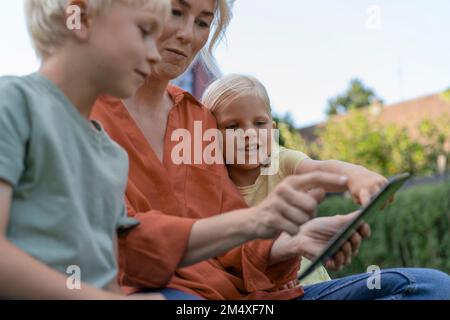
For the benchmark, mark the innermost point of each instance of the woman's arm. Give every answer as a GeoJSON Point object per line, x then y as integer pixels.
{"type": "Point", "coordinates": [167, 242]}
{"type": "Point", "coordinates": [284, 210]}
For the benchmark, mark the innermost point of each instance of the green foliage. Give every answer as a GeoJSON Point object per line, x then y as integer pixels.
{"type": "Point", "coordinates": [289, 136]}
{"type": "Point", "coordinates": [357, 96]}
{"type": "Point", "coordinates": [413, 232]}
{"type": "Point", "coordinates": [387, 149]}
{"type": "Point", "coordinates": [435, 136]}
{"type": "Point", "coordinates": [361, 139]}
{"type": "Point", "coordinates": [446, 95]}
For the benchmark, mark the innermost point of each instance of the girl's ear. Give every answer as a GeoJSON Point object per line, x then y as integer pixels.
{"type": "Point", "coordinates": [77, 19]}
{"type": "Point", "coordinates": [274, 125]}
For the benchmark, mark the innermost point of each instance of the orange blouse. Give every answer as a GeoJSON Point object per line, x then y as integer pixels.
{"type": "Point", "coordinates": [168, 199]}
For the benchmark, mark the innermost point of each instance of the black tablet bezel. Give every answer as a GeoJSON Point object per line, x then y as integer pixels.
{"type": "Point", "coordinates": [339, 239]}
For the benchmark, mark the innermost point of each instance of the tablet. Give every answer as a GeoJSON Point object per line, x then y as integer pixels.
{"type": "Point", "coordinates": [342, 236]}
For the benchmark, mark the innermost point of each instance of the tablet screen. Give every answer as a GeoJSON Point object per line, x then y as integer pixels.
{"type": "Point", "coordinates": [341, 237]}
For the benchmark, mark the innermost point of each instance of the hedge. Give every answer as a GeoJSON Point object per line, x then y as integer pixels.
{"type": "Point", "coordinates": [413, 232]}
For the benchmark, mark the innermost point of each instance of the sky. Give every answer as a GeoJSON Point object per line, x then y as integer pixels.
{"type": "Point", "coordinates": [306, 52]}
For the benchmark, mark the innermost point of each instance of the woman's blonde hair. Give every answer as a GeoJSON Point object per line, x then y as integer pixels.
{"type": "Point", "coordinates": [224, 90]}
{"type": "Point", "coordinates": [46, 19]}
{"type": "Point", "coordinates": [222, 19]}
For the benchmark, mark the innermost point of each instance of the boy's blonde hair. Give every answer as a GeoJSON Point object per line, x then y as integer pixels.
{"type": "Point", "coordinates": [224, 90]}
{"type": "Point", "coordinates": [46, 19]}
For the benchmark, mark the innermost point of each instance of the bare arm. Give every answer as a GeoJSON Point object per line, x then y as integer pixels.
{"type": "Point", "coordinates": [331, 166]}
{"type": "Point", "coordinates": [23, 277]}
{"type": "Point", "coordinates": [362, 183]}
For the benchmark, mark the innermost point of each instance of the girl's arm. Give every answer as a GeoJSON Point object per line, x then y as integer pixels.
{"type": "Point", "coordinates": [331, 166]}
{"type": "Point", "coordinates": [362, 183]}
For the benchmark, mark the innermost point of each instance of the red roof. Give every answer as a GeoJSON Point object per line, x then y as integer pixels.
{"type": "Point", "coordinates": [406, 114]}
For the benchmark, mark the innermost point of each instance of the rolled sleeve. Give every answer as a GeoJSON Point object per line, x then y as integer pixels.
{"type": "Point", "coordinates": [251, 261]}
{"type": "Point", "coordinates": [150, 253]}
{"type": "Point", "coordinates": [14, 133]}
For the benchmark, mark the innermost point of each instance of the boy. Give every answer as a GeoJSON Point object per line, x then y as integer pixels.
{"type": "Point", "coordinates": [61, 178]}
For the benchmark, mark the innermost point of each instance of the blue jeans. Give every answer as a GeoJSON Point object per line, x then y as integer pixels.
{"type": "Point", "coordinates": [395, 284]}
{"type": "Point", "coordinates": [173, 294]}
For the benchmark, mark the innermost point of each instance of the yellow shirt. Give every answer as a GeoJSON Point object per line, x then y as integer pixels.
{"type": "Point", "coordinates": [256, 193]}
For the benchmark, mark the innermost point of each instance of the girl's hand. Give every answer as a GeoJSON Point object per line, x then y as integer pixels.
{"type": "Point", "coordinates": [364, 184]}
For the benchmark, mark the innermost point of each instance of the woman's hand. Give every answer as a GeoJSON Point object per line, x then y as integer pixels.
{"type": "Point", "coordinates": [313, 237]}
{"type": "Point", "coordinates": [284, 210]}
{"type": "Point", "coordinates": [290, 205]}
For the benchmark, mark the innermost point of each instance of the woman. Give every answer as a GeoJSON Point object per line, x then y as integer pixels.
{"type": "Point", "coordinates": [178, 204]}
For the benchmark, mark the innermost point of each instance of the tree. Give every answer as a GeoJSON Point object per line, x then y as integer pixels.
{"type": "Point", "coordinates": [357, 96]}
{"type": "Point", "coordinates": [385, 148]}
{"type": "Point", "coordinates": [446, 95]}
{"type": "Point", "coordinates": [289, 137]}
{"type": "Point", "coordinates": [435, 135]}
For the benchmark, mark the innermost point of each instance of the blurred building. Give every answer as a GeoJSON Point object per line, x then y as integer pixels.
{"type": "Point", "coordinates": [407, 114]}
{"type": "Point", "coordinates": [196, 79]}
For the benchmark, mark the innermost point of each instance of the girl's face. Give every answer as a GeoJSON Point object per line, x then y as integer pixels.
{"type": "Point", "coordinates": [185, 33]}
{"type": "Point", "coordinates": [245, 114]}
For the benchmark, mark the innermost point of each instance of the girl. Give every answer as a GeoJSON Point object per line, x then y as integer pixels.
{"type": "Point", "coordinates": [241, 102]}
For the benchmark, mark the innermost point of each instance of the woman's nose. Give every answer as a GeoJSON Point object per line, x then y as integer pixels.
{"type": "Point", "coordinates": [185, 32]}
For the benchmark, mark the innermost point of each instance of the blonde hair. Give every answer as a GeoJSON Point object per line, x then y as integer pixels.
{"type": "Point", "coordinates": [222, 19]}
{"type": "Point", "coordinates": [223, 91]}
{"type": "Point", "coordinates": [46, 19]}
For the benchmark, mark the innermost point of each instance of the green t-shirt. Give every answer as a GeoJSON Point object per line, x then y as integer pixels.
{"type": "Point", "coordinates": [68, 179]}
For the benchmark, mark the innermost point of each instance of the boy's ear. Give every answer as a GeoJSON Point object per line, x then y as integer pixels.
{"type": "Point", "coordinates": [77, 19]}
{"type": "Point", "coordinates": [274, 125]}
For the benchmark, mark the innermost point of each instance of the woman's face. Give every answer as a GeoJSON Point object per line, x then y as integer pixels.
{"type": "Point", "coordinates": [185, 33]}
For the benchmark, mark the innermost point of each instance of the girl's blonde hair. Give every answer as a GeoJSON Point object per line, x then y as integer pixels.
{"type": "Point", "coordinates": [46, 19]}
{"type": "Point", "coordinates": [222, 19]}
{"type": "Point", "coordinates": [224, 90]}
